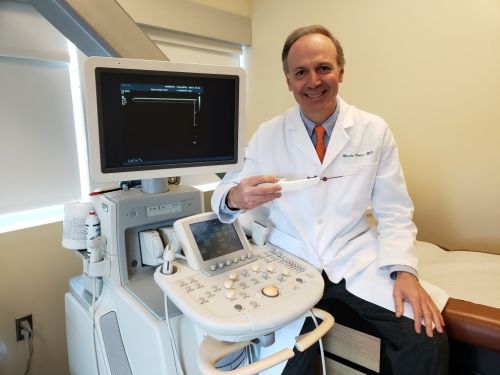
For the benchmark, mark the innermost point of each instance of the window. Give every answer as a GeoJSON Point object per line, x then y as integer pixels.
{"type": "Point", "coordinates": [38, 153]}
{"type": "Point", "coordinates": [43, 158]}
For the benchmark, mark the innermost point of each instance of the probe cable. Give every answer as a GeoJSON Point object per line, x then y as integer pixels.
{"type": "Point", "coordinates": [174, 347]}
{"type": "Point", "coordinates": [94, 331]}
{"type": "Point", "coordinates": [320, 341]}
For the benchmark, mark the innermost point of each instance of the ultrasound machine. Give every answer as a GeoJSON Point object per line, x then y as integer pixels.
{"type": "Point", "coordinates": [174, 290]}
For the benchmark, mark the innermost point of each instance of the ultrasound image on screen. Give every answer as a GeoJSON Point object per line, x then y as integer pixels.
{"type": "Point", "coordinates": [215, 239]}
{"type": "Point", "coordinates": [154, 120]}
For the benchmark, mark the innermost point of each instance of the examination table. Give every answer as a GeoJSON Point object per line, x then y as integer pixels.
{"type": "Point", "coordinates": [472, 316]}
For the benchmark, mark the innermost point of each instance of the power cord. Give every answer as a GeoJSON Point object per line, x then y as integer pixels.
{"type": "Point", "coordinates": [27, 334]}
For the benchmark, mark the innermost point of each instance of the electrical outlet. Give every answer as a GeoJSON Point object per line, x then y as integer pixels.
{"type": "Point", "coordinates": [29, 319]}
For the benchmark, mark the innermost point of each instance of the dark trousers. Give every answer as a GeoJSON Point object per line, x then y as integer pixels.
{"type": "Point", "coordinates": [404, 352]}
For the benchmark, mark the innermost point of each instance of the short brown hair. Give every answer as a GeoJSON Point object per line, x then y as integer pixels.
{"type": "Point", "coordinates": [313, 29]}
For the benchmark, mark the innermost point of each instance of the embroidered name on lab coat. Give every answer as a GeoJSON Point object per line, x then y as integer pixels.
{"type": "Point", "coordinates": [358, 154]}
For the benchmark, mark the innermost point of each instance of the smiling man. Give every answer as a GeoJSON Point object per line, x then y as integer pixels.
{"type": "Point", "coordinates": [372, 271]}
{"type": "Point", "coordinates": [313, 73]}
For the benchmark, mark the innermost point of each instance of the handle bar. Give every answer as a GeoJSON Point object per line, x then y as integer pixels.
{"type": "Point", "coordinates": [212, 350]}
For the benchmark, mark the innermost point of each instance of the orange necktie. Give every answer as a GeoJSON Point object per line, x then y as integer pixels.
{"type": "Point", "coordinates": [320, 144]}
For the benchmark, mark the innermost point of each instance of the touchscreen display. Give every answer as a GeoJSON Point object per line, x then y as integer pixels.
{"type": "Point", "coordinates": [215, 239]}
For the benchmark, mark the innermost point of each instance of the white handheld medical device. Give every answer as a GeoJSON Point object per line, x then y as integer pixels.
{"type": "Point", "coordinates": [233, 290]}
{"type": "Point", "coordinates": [292, 185]}
{"type": "Point", "coordinates": [151, 247]}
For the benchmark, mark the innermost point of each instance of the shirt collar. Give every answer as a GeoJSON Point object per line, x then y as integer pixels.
{"type": "Point", "coordinates": [328, 124]}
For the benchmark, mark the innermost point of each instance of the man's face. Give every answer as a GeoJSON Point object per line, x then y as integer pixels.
{"type": "Point", "coordinates": [314, 76]}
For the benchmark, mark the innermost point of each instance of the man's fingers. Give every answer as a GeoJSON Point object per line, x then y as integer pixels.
{"type": "Point", "coordinates": [398, 303]}
{"type": "Point", "coordinates": [249, 193]}
{"type": "Point", "coordinates": [417, 316]}
{"type": "Point", "coordinates": [260, 179]}
{"type": "Point", "coordinates": [428, 322]}
{"type": "Point", "coordinates": [437, 318]}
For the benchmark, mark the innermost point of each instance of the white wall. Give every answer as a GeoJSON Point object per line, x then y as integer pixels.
{"type": "Point", "coordinates": [431, 69]}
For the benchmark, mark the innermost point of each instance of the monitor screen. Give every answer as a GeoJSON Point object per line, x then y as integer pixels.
{"type": "Point", "coordinates": [215, 239]}
{"type": "Point", "coordinates": [151, 119]}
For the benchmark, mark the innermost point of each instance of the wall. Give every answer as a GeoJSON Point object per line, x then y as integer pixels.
{"type": "Point", "coordinates": [34, 274]}
{"type": "Point", "coordinates": [241, 7]}
{"type": "Point", "coordinates": [430, 68]}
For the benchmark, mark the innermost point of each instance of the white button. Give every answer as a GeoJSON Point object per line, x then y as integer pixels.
{"type": "Point", "coordinates": [213, 267]}
{"type": "Point", "coordinates": [228, 262]}
{"type": "Point", "coordinates": [271, 267]}
{"type": "Point", "coordinates": [270, 291]}
{"type": "Point", "coordinates": [233, 276]}
{"type": "Point", "coordinates": [256, 267]}
{"type": "Point", "coordinates": [221, 264]}
{"type": "Point", "coordinates": [228, 284]}
{"type": "Point", "coordinates": [286, 271]}
{"type": "Point", "coordinates": [243, 257]}
{"type": "Point", "coordinates": [230, 294]}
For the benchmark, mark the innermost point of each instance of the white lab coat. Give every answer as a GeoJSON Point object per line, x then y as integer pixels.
{"type": "Point", "coordinates": [326, 224]}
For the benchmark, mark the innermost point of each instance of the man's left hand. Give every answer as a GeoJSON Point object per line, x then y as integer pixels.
{"type": "Point", "coordinates": [407, 288]}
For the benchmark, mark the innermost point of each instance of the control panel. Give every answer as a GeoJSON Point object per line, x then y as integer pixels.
{"type": "Point", "coordinates": [247, 298]}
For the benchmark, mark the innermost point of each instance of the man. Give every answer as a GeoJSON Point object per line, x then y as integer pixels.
{"type": "Point", "coordinates": [372, 271]}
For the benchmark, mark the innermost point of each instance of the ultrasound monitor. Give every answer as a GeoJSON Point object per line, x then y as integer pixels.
{"type": "Point", "coordinates": [155, 119]}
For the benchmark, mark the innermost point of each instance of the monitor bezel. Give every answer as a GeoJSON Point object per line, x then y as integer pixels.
{"type": "Point", "coordinates": [93, 124]}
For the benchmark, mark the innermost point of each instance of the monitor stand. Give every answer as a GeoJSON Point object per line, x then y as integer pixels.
{"type": "Point", "coordinates": [154, 185]}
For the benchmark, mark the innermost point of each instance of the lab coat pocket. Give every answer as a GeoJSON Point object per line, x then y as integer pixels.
{"type": "Point", "coordinates": [351, 185]}
{"type": "Point", "coordinates": [354, 169]}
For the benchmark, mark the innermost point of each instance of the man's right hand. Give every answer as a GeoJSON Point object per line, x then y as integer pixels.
{"type": "Point", "coordinates": [250, 193]}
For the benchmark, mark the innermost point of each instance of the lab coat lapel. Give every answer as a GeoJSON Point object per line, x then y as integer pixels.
{"type": "Point", "coordinates": [339, 137]}
{"type": "Point", "coordinates": [299, 137]}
